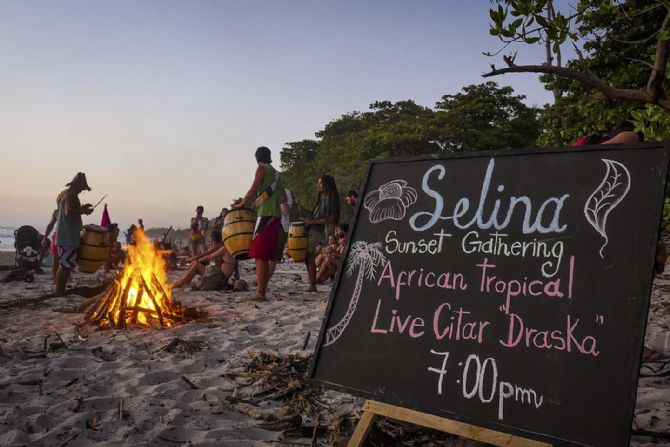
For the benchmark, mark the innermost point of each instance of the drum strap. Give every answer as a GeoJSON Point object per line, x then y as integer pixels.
{"type": "Point", "coordinates": [267, 192]}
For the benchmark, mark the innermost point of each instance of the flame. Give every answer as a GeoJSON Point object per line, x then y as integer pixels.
{"type": "Point", "coordinates": [140, 291]}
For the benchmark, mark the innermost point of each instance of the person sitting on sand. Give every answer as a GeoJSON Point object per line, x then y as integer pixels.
{"type": "Point", "coordinates": [217, 253]}
{"type": "Point", "coordinates": [217, 223]}
{"type": "Point", "coordinates": [115, 258]}
{"type": "Point", "coordinates": [332, 258]}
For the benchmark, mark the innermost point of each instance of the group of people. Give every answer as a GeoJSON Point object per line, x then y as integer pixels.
{"type": "Point", "coordinates": [272, 202]}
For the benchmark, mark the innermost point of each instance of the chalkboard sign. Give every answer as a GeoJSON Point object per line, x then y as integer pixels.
{"type": "Point", "coordinates": [507, 290]}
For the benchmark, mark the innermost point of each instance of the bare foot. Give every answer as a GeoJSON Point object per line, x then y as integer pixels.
{"type": "Point", "coordinates": [259, 296]}
{"type": "Point", "coordinates": [312, 290]}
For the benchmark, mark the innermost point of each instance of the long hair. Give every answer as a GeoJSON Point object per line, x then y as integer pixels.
{"type": "Point", "coordinates": [330, 188]}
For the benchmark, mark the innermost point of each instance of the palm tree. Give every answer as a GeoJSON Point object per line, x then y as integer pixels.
{"type": "Point", "coordinates": [366, 257]}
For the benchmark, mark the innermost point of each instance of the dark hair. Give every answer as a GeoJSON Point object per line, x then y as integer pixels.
{"type": "Point", "coordinates": [625, 126]}
{"type": "Point", "coordinates": [330, 188]}
{"type": "Point", "coordinates": [199, 207]}
{"type": "Point", "coordinates": [344, 227]}
{"type": "Point", "coordinates": [263, 155]}
{"type": "Point", "coordinates": [352, 193]}
{"type": "Point", "coordinates": [216, 236]}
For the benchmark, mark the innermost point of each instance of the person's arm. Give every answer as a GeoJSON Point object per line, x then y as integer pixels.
{"type": "Point", "coordinates": [50, 228]}
{"type": "Point", "coordinates": [623, 137]}
{"type": "Point", "coordinates": [328, 220]}
{"type": "Point", "coordinates": [199, 256]}
{"type": "Point", "coordinates": [73, 207]}
{"type": "Point", "coordinates": [251, 194]}
{"type": "Point", "coordinates": [215, 254]}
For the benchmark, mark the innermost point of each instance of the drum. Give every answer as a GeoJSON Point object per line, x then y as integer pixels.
{"type": "Point", "coordinates": [238, 229]}
{"type": "Point", "coordinates": [93, 248]}
{"type": "Point", "coordinates": [297, 241]}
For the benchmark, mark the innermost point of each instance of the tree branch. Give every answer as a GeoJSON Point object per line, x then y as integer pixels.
{"type": "Point", "coordinates": [588, 79]}
{"type": "Point", "coordinates": [655, 84]}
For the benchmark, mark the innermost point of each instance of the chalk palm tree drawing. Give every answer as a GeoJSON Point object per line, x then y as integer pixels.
{"type": "Point", "coordinates": [606, 197]}
{"type": "Point", "coordinates": [367, 257]}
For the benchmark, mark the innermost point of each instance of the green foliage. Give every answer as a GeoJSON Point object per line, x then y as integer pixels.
{"type": "Point", "coordinates": [485, 117]}
{"type": "Point", "coordinates": [665, 223]}
{"type": "Point", "coordinates": [619, 44]}
{"type": "Point", "coordinates": [480, 117]}
{"type": "Point", "coordinates": [653, 121]}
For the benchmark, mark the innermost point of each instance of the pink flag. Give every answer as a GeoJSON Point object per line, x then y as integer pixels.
{"type": "Point", "coordinates": [105, 218]}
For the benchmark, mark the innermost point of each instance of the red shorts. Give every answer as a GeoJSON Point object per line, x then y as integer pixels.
{"type": "Point", "coordinates": [266, 238]}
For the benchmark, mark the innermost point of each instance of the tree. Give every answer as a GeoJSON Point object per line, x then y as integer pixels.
{"type": "Point", "coordinates": [477, 118]}
{"type": "Point", "coordinates": [485, 117]}
{"type": "Point", "coordinates": [600, 26]}
{"type": "Point", "coordinates": [296, 160]}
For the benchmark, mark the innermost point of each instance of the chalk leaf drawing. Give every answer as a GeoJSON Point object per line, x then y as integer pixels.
{"type": "Point", "coordinates": [367, 257]}
{"type": "Point", "coordinates": [390, 201]}
{"type": "Point", "coordinates": [606, 197]}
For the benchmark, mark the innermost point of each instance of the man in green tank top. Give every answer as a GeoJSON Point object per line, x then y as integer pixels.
{"type": "Point", "coordinates": [267, 194]}
{"type": "Point", "coordinates": [69, 226]}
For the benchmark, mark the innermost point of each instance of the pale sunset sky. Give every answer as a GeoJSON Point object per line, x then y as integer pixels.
{"type": "Point", "coordinates": [163, 103]}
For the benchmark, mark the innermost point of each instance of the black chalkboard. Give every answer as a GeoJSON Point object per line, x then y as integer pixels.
{"type": "Point", "coordinates": [508, 290]}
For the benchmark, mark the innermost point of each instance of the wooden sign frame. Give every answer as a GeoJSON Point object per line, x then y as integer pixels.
{"type": "Point", "coordinates": [372, 409]}
{"type": "Point", "coordinates": [399, 409]}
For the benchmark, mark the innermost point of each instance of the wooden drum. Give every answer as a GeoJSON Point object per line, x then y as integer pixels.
{"type": "Point", "coordinates": [238, 229]}
{"type": "Point", "coordinates": [93, 248]}
{"type": "Point", "coordinates": [297, 241]}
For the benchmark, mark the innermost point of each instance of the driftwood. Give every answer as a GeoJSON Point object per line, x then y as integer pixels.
{"type": "Point", "coordinates": [190, 383]}
{"type": "Point", "coordinates": [84, 291]}
{"type": "Point", "coordinates": [653, 434]}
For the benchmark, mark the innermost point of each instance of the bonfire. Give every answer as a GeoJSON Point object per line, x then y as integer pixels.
{"type": "Point", "coordinates": [140, 294]}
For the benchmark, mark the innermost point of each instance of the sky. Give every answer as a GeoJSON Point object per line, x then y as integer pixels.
{"type": "Point", "coordinates": [163, 103]}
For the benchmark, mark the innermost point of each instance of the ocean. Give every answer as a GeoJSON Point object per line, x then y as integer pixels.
{"type": "Point", "coordinates": [6, 238]}
{"type": "Point", "coordinates": [6, 243]}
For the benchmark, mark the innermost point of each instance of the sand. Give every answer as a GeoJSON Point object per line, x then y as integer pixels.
{"type": "Point", "coordinates": [69, 395]}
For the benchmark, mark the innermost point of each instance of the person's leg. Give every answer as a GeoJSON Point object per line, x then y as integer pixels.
{"type": "Point", "coordinates": [262, 269]}
{"type": "Point", "coordinates": [311, 271]}
{"type": "Point", "coordinates": [61, 278]}
{"type": "Point", "coordinates": [272, 265]}
{"type": "Point", "coordinates": [195, 269]}
{"type": "Point", "coordinates": [54, 266]}
{"type": "Point", "coordinates": [67, 261]}
{"type": "Point", "coordinates": [323, 273]}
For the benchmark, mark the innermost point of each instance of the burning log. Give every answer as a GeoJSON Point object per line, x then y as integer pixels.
{"type": "Point", "coordinates": [140, 294]}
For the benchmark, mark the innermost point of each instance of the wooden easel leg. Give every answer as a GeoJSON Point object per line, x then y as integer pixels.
{"type": "Point", "coordinates": [362, 429]}
{"type": "Point", "coordinates": [373, 408]}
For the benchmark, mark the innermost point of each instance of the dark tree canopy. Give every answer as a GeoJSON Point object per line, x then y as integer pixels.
{"type": "Point", "coordinates": [480, 117]}
{"type": "Point", "coordinates": [485, 117]}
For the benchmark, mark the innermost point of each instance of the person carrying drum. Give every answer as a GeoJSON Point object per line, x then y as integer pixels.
{"type": "Point", "coordinates": [267, 194]}
{"type": "Point", "coordinates": [69, 226]}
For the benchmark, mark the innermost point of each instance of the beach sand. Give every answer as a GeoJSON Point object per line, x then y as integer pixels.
{"type": "Point", "coordinates": [70, 393]}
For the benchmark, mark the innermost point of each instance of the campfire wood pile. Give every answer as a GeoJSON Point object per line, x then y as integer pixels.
{"type": "Point", "coordinates": [140, 293]}
{"type": "Point", "coordinates": [125, 303]}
